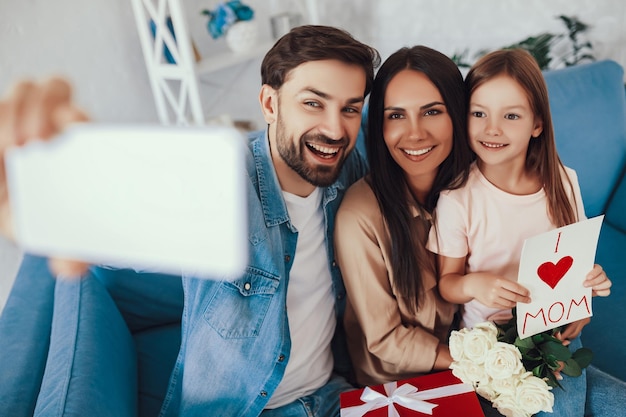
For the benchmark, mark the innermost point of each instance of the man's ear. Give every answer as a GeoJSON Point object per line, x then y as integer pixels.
{"type": "Point", "coordinates": [268, 97]}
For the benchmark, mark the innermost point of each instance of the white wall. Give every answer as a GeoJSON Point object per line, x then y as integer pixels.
{"type": "Point", "coordinates": [452, 26]}
{"type": "Point", "coordinates": [10, 258]}
{"type": "Point", "coordinates": [95, 44]}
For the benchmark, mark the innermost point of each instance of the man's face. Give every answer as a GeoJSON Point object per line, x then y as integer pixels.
{"type": "Point", "coordinates": [315, 124]}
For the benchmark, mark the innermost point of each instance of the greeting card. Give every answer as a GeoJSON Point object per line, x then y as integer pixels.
{"type": "Point", "coordinates": [553, 268]}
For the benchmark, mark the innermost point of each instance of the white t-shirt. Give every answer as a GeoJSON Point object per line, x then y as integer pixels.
{"type": "Point", "coordinates": [489, 226]}
{"type": "Point", "coordinates": [310, 304]}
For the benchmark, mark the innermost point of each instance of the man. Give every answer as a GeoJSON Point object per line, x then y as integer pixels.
{"type": "Point", "coordinates": [261, 344]}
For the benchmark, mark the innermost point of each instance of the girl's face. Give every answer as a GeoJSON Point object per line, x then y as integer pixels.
{"type": "Point", "coordinates": [501, 122]}
{"type": "Point", "coordinates": [417, 127]}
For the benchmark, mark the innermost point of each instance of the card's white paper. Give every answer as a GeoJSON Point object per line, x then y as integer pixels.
{"type": "Point", "coordinates": [553, 268]}
{"type": "Point", "coordinates": [167, 199]}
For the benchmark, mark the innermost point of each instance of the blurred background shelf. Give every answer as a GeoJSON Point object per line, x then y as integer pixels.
{"type": "Point", "coordinates": [174, 64]}
{"type": "Point", "coordinates": [227, 59]}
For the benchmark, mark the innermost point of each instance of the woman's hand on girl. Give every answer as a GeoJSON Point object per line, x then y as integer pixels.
{"type": "Point", "coordinates": [572, 330]}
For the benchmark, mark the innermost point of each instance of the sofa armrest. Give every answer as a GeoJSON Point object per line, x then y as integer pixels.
{"type": "Point", "coordinates": [616, 211]}
{"type": "Point", "coordinates": [24, 337]}
{"type": "Point", "coordinates": [92, 364]}
{"type": "Point", "coordinates": [605, 333]}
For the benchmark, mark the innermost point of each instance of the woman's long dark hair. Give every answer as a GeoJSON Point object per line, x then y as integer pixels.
{"type": "Point", "coordinates": [387, 178]}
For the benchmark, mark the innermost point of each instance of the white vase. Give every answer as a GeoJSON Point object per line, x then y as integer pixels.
{"type": "Point", "coordinates": [242, 36]}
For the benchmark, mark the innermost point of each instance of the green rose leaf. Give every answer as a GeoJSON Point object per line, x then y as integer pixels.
{"type": "Point", "coordinates": [526, 343]}
{"type": "Point", "coordinates": [556, 350]}
{"type": "Point", "coordinates": [583, 356]}
{"type": "Point", "coordinates": [572, 368]}
{"type": "Point", "coordinates": [552, 381]}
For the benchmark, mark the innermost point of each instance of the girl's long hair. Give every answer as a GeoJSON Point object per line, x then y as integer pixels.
{"type": "Point", "coordinates": [387, 178]}
{"type": "Point", "coordinates": [542, 157]}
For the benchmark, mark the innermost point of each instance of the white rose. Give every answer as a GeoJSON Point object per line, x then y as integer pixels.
{"type": "Point", "coordinates": [503, 360]}
{"type": "Point", "coordinates": [469, 372]}
{"type": "Point", "coordinates": [489, 328]}
{"type": "Point", "coordinates": [460, 371]}
{"type": "Point", "coordinates": [487, 392]}
{"type": "Point", "coordinates": [456, 344]}
{"type": "Point", "coordinates": [534, 394]}
{"type": "Point", "coordinates": [508, 406]}
{"type": "Point", "coordinates": [505, 386]}
{"type": "Point", "coordinates": [479, 341]}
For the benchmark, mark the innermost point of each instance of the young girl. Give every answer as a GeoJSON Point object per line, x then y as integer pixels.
{"type": "Point", "coordinates": [517, 188]}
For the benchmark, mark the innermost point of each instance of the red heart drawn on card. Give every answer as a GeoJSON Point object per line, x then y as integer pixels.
{"type": "Point", "coordinates": [551, 274]}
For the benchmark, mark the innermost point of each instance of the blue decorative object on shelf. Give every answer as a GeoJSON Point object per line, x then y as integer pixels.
{"type": "Point", "coordinates": [225, 15]}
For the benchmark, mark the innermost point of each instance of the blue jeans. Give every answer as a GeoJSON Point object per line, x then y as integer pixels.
{"type": "Point", "coordinates": [322, 403]}
{"type": "Point", "coordinates": [605, 394]}
{"type": "Point", "coordinates": [595, 391]}
{"type": "Point", "coordinates": [569, 401]}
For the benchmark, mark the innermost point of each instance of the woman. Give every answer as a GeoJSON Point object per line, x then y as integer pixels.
{"type": "Point", "coordinates": [396, 322]}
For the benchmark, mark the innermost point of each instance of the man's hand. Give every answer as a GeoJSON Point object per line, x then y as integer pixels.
{"type": "Point", "coordinates": [30, 112]}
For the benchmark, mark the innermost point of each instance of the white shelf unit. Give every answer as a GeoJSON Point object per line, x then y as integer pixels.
{"type": "Point", "coordinates": [175, 85]}
{"type": "Point", "coordinates": [227, 59]}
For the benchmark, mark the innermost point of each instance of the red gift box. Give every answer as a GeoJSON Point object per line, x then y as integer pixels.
{"type": "Point", "coordinates": [459, 404]}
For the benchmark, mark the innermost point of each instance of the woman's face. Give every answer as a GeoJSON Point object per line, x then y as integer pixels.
{"type": "Point", "coordinates": [417, 127]}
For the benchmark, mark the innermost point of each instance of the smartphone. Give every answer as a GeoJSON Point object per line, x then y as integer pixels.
{"type": "Point", "coordinates": [148, 197]}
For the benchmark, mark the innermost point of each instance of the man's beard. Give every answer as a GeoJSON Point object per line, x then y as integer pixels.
{"type": "Point", "coordinates": [318, 175]}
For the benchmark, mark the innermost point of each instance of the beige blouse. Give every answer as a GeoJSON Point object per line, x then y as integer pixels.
{"type": "Point", "coordinates": [386, 341]}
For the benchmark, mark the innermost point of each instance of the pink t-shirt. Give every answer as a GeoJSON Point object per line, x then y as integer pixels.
{"type": "Point", "coordinates": [489, 226]}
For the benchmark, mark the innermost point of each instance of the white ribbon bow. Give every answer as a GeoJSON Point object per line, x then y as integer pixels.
{"type": "Point", "coordinates": [406, 395]}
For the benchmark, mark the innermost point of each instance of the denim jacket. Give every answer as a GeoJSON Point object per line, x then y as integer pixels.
{"type": "Point", "coordinates": [235, 336]}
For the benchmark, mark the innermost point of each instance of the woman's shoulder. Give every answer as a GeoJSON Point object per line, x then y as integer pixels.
{"type": "Point", "coordinates": [360, 191]}
{"type": "Point", "coordinates": [360, 200]}
{"type": "Point", "coordinates": [360, 194]}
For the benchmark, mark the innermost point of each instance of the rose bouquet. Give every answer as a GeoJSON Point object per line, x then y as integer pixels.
{"type": "Point", "coordinates": [496, 371]}
{"type": "Point", "coordinates": [516, 375]}
{"type": "Point", "coordinates": [544, 355]}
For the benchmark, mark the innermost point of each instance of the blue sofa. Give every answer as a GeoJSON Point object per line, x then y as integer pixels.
{"type": "Point", "coordinates": [125, 339]}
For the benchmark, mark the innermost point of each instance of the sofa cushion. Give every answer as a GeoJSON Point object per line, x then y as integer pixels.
{"type": "Point", "coordinates": [616, 212]}
{"type": "Point", "coordinates": [25, 336]}
{"type": "Point", "coordinates": [606, 332]}
{"type": "Point", "coordinates": [589, 114]}
{"type": "Point", "coordinates": [157, 350]}
{"type": "Point", "coordinates": [145, 299]}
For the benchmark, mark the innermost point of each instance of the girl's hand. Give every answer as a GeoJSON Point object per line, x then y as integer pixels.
{"type": "Point", "coordinates": [572, 330]}
{"type": "Point", "coordinates": [496, 291]}
{"type": "Point", "coordinates": [598, 281]}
